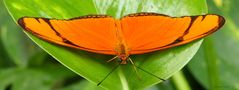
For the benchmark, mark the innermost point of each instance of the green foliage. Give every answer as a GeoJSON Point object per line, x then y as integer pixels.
{"type": "Point", "coordinates": [24, 66]}
{"type": "Point", "coordinates": [32, 79]}
{"type": "Point", "coordinates": [18, 58]}
{"type": "Point", "coordinates": [94, 67]}
{"type": "Point", "coordinates": [216, 63]}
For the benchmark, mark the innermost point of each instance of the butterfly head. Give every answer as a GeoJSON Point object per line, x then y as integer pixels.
{"type": "Point", "coordinates": [123, 58]}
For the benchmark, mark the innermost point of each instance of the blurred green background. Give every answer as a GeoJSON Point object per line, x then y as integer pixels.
{"type": "Point", "coordinates": [25, 66]}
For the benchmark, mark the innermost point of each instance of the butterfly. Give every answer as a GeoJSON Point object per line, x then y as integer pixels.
{"type": "Point", "coordinates": [136, 33]}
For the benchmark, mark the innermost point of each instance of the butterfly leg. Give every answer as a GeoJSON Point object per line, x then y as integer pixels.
{"type": "Point", "coordinates": [112, 59]}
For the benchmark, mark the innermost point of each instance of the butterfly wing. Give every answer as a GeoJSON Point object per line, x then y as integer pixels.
{"type": "Point", "coordinates": [147, 32]}
{"type": "Point", "coordinates": [90, 33]}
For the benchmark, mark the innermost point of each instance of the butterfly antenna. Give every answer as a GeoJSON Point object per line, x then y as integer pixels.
{"type": "Point", "coordinates": [108, 74]}
{"type": "Point", "coordinates": [134, 66]}
{"type": "Point", "coordinates": [150, 73]}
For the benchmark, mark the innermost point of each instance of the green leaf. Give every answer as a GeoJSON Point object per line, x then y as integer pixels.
{"type": "Point", "coordinates": [215, 65]}
{"type": "Point", "coordinates": [84, 85]}
{"type": "Point", "coordinates": [3, 56]}
{"type": "Point", "coordinates": [167, 85]}
{"type": "Point", "coordinates": [17, 45]}
{"type": "Point", "coordinates": [32, 79]}
{"type": "Point", "coordinates": [94, 67]}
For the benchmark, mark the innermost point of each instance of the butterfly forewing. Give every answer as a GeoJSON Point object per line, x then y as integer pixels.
{"type": "Point", "coordinates": [94, 34]}
{"type": "Point", "coordinates": [141, 32]}
{"type": "Point", "coordinates": [151, 32]}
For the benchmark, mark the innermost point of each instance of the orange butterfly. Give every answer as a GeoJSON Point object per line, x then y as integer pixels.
{"type": "Point", "coordinates": [132, 34]}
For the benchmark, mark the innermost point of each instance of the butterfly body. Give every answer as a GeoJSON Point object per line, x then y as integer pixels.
{"type": "Point", "coordinates": [121, 49]}
{"type": "Point", "coordinates": [132, 34]}
{"type": "Point", "coordinates": [122, 52]}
